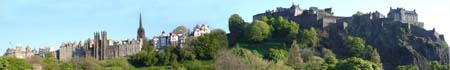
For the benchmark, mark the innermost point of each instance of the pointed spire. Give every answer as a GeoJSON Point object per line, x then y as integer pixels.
{"type": "Point", "coordinates": [140, 20]}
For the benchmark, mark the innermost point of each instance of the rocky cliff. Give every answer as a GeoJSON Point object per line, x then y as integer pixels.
{"type": "Point", "coordinates": [398, 42]}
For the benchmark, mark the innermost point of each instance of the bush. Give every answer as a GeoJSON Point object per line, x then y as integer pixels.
{"type": "Point", "coordinates": [258, 31]}
{"type": "Point", "coordinates": [277, 54]}
{"type": "Point", "coordinates": [11, 63]}
{"type": "Point", "coordinates": [407, 67]}
{"type": "Point", "coordinates": [117, 64]}
{"type": "Point", "coordinates": [355, 63]}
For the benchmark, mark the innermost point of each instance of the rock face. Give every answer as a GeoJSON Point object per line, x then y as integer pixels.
{"type": "Point", "coordinates": [400, 39]}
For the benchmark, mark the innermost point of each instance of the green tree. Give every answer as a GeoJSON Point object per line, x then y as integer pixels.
{"type": "Point", "coordinates": [331, 62]}
{"type": "Point", "coordinates": [407, 67]}
{"type": "Point", "coordinates": [358, 13]}
{"type": "Point", "coordinates": [66, 65]}
{"type": "Point", "coordinates": [227, 60]}
{"type": "Point", "coordinates": [435, 65]}
{"type": "Point", "coordinates": [375, 57]}
{"type": "Point", "coordinates": [257, 31]}
{"type": "Point", "coordinates": [264, 19]}
{"type": "Point", "coordinates": [236, 25]}
{"type": "Point", "coordinates": [277, 54]}
{"type": "Point", "coordinates": [295, 58]}
{"type": "Point", "coordinates": [51, 63]}
{"type": "Point", "coordinates": [355, 45]}
{"type": "Point", "coordinates": [11, 63]}
{"type": "Point", "coordinates": [309, 38]}
{"type": "Point", "coordinates": [146, 57]}
{"type": "Point", "coordinates": [313, 63]}
{"type": "Point", "coordinates": [284, 29]}
{"type": "Point", "coordinates": [355, 63]}
{"type": "Point", "coordinates": [181, 30]}
{"type": "Point", "coordinates": [206, 46]}
{"type": "Point", "coordinates": [187, 54]}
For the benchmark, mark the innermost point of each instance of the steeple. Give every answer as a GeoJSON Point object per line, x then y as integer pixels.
{"type": "Point", "coordinates": [140, 32]}
{"type": "Point", "coordinates": [140, 20]}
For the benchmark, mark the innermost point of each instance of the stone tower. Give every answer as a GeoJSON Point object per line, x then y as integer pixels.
{"type": "Point", "coordinates": [140, 32]}
{"type": "Point", "coordinates": [104, 44]}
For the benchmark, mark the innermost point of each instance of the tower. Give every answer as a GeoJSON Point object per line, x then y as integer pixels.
{"type": "Point", "coordinates": [104, 45]}
{"type": "Point", "coordinates": [140, 32]}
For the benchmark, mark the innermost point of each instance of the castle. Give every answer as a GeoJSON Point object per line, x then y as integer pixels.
{"type": "Point", "coordinates": [323, 18]}
{"type": "Point", "coordinates": [102, 48]}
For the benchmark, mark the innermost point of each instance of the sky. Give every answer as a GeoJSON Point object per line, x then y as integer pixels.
{"type": "Point", "coordinates": [48, 23]}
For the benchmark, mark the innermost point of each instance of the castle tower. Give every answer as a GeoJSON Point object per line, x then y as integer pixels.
{"type": "Point", "coordinates": [140, 32]}
{"type": "Point", "coordinates": [400, 14]}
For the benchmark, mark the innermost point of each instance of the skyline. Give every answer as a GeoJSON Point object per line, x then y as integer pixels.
{"type": "Point", "coordinates": [50, 22]}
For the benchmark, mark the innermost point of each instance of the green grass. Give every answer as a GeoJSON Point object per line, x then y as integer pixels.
{"type": "Point", "coordinates": [263, 48]}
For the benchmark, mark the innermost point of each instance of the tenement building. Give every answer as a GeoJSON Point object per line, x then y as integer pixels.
{"type": "Point", "coordinates": [177, 39]}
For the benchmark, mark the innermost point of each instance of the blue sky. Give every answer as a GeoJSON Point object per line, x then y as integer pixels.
{"type": "Point", "coordinates": [47, 23]}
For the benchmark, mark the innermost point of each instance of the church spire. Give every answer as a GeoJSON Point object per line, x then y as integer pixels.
{"type": "Point", "coordinates": [140, 20]}
{"type": "Point", "coordinates": [140, 31]}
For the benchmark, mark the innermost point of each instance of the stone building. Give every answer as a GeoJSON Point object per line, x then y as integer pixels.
{"type": "Point", "coordinates": [168, 39]}
{"type": "Point", "coordinates": [200, 30]}
{"type": "Point", "coordinates": [102, 48]}
{"type": "Point", "coordinates": [19, 53]}
{"type": "Point", "coordinates": [287, 13]}
{"type": "Point", "coordinates": [405, 16]}
{"type": "Point", "coordinates": [177, 39]}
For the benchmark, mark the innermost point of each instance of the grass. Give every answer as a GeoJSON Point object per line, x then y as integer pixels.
{"type": "Point", "coordinates": [263, 48]}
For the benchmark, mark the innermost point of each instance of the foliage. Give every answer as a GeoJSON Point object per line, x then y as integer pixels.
{"type": "Point", "coordinates": [435, 65]}
{"type": "Point", "coordinates": [277, 54]}
{"type": "Point", "coordinates": [117, 64]}
{"type": "Point", "coordinates": [168, 56]}
{"type": "Point", "coordinates": [375, 57]}
{"type": "Point", "coordinates": [314, 63]}
{"type": "Point", "coordinates": [236, 25]}
{"type": "Point", "coordinates": [146, 57]}
{"type": "Point", "coordinates": [407, 67]}
{"type": "Point", "coordinates": [358, 13]}
{"type": "Point", "coordinates": [257, 31]}
{"type": "Point", "coordinates": [51, 63]}
{"type": "Point", "coordinates": [87, 63]}
{"type": "Point", "coordinates": [11, 63]}
{"type": "Point", "coordinates": [181, 30]}
{"type": "Point", "coordinates": [331, 62]}
{"type": "Point", "coordinates": [355, 45]}
{"type": "Point", "coordinates": [187, 54]}
{"type": "Point", "coordinates": [279, 66]}
{"type": "Point", "coordinates": [284, 29]}
{"type": "Point", "coordinates": [295, 58]}
{"type": "Point", "coordinates": [206, 46]}
{"type": "Point", "coordinates": [309, 38]}
{"type": "Point", "coordinates": [355, 63]}
{"type": "Point", "coordinates": [227, 60]}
